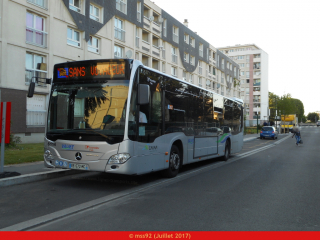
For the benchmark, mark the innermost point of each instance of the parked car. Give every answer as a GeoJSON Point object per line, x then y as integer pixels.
{"type": "Point", "coordinates": [318, 123]}
{"type": "Point", "coordinates": [268, 132]}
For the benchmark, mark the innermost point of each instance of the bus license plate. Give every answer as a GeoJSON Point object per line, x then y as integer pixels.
{"type": "Point", "coordinates": [78, 166]}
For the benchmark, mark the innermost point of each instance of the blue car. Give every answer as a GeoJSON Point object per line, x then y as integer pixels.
{"type": "Point", "coordinates": [268, 132]}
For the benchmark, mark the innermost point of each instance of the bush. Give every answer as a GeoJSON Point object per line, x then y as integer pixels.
{"type": "Point", "coordinates": [14, 140]}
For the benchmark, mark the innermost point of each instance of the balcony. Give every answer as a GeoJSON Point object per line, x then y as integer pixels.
{"type": "Point", "coordinates": [156, 28]}
{"type": "Point", "coordinates": [256, 93]}
{"type": "Point", "coordinates": [36, 37]}
{"type": "Point", "coordinates": [256, 84]}
{"type": "Point", "coordinates": [145, 46]}
{"type": "Point", "coordinates": [257, 60]}
{"type": "Point", "coordinates": [256, 100]}
{"type": "Point", "coordinates": [156, 51]}
{"type": "Point", "coordinates": [30, 75]}
{"type": "Point", "coordinates": [257, 109]}
{"type": "Point", "coordinates": [255, 117]}
{"type": "Point", "coordinates": [146, 22]}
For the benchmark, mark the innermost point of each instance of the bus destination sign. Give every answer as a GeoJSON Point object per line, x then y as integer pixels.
{"type": "Point", "coordinates": [110, 70]}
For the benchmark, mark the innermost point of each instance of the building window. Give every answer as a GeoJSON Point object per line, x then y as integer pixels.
{"type": "Point", "coordinates": [139, 11]}
{"type": "Point", "coordinates": [165, 27]}
{"type": "Point", "coordinates": [40, 3]}
{"type": "Point", "coordinates": [247, 74]}
{"type": "Point", "coordinates": [222, 63]}
{"type": "Point", "coordinates": [137, 37]}
{"type": "Point", "coordinates": [35, 67]}
{"type": "Point", "coordinates": [192, 41]}
{"type": "Point", "coordinates": [175, 35]}
{"type": "Point", "coordinates": [35, 30]}
{"type": "Point", "coordinates": [118, 51]}
{"type": "Point", "coordinates": [137, 56]}
{"type": "Point", "coordinates": [228, 65]}
{"type": "Point", "coordinates": [241, 65]}
{"type": "Point", "coordinates": [192, 60]}
{"type": "Point", "coordinates": [73, 37]}
{"type": "Point", "coordinates": [93, 44]}
{"type": "Point", "coordinates": [201, 50]}
{"type": "Point", "coordinates": [121, 5]}
{"type": "Point", "coordinates": [222, 78]}
{"type": "Point", "coordinates": [186, 38]}
{"type": "Point", "coordinates": [242, 73]}
{"type": "Point", "coordinates": [248, 80]}
{"type": "Point", "coordinates": [145, 60]}
{"type": "Point", "coordinates": [155, 41]}
{"type": "Point", "coordinates": [174, 71]}
{"type": "Point", "coordinates": [36, 111]}
{"type": "Point", "coordinates": [200, 67]}
{"type": "Point", "coordinates": [240, 57]}
{"type": "Point", "coordinates": [191, 78]}
{"type": "Point", "coordinates": [95, 12]}
{"type": "Point", "coordinates": [119, 32]}
{"type": "Point", "coordinates": [145, 37]}
{"type": "Point", "coordinates": [184, 75]}
{"type": "Point", "coordinates": [76, 5]}
{"type": "Point", "coordinates": [163, 67]}
{"type": "Point", "coordinates": [174, 55]}
{"type": "Point", "coordinates": [186, 57]}
{"type": "Point", "coordinates": [200, 81]}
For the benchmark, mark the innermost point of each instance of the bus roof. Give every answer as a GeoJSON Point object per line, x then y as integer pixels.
{"type": "Point", "coordinates": [157, 71]}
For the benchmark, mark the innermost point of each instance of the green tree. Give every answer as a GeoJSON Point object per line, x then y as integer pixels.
{"type": "Point", "coordinates": [313, 116]}
{"type": "Point", "coordinates": [299, 108]}
{"type": "Point", "coordinates": [286, 105]}
{"type": "Point", "coordinates": [304, 119]}
{"type": "Point", "coordinates": [273, 105]}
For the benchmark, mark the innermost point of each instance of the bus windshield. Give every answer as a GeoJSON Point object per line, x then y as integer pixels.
{"type": "Point", "coordinates": [86, 111]}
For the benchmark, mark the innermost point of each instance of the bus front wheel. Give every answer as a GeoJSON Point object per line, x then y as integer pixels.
{"type": "Point", "coordinates": [174, 163]}
{"type": "Point", "coordinates": [226, 151]}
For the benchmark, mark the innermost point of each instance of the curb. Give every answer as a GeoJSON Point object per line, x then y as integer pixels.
{"type": "Point", "coordinates": [33, 177]}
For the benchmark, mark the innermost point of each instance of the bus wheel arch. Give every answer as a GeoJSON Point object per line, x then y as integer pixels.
{"type": "Point", "coordinates": [175, 160]}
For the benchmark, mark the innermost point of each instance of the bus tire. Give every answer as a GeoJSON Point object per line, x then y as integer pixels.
{"type": "Point", "coordinates": [226, 151]}
{"type": "Point", "coordinates": [174, 163]}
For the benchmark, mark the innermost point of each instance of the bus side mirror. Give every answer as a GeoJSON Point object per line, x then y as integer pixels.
{"type": "Point", "coordinates": [144, 94]}
{"type": "Point", "coordinates": [31, 89]}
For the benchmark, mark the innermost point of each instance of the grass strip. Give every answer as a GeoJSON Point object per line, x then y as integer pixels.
{"type": "Point", "coordinates": [24, 153]}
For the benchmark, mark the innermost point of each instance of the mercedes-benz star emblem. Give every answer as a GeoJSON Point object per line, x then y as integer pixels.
{"type": "Point", "coordinates": [78, 156]}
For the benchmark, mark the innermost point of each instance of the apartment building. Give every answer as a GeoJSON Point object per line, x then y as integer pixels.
{"type": "Point", "coordinates": [253, 62]}
{"type": "Point", "coordinates": [36, 34]}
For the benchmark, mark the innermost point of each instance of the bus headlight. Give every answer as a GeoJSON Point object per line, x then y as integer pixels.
{"type": "Point", "coordinates": [119, 158]}
{"type": "Point", "coordinates": [48, 155]}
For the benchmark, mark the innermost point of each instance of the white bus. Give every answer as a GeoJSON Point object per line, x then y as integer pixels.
{"type": "Point", "coordinates": [119, 116]}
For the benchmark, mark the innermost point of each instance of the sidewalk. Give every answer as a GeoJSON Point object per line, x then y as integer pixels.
{"type": "Point", "coordinates": [249, 137]}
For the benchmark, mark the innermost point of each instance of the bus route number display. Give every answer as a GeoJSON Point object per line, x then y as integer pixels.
{"type": "Point", "coordinates": [110, 70]}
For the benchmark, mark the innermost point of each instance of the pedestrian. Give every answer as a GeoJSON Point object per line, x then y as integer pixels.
{"type": "Point", "coordinates": [265, 124]}
{"type": "Point", "coordinates": [296, 133]}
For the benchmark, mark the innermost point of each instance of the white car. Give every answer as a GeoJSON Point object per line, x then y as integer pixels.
{"type": "Point", "coordinates": [318, 123]}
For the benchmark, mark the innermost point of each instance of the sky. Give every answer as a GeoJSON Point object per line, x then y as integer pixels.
{"type": "Point", "coordinates": [287, 30]}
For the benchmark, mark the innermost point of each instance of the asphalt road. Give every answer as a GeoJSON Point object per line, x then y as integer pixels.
{"type": "Point", "coordinates": [272, 189]}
